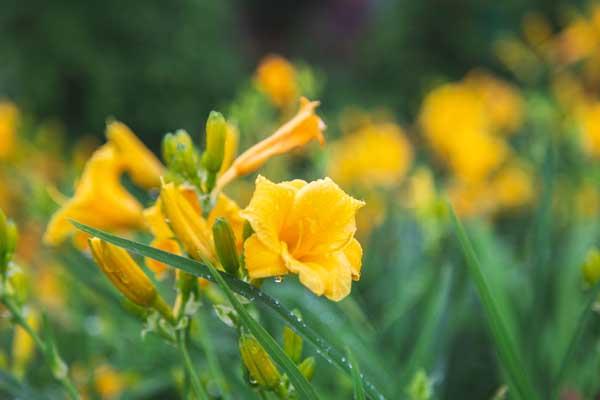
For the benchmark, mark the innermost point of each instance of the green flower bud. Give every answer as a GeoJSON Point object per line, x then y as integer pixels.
{"type": "Point", "coordinates": [307, 367]}
{"type": "Point", "coordinates": [260, 367]}
{"type": "Point", "coordinates": [420, 387]}
{"type": "Point", "coordinates": [292, 342]}
{"type": "Point", "coordinates": [180, 155]}
{"type": "Point", "coordinates": [8, 241]}
{"type": "Point", "coordinates": [216, 133]}
{"type": "Point", "coordinates": [225, 246]}
{"type": "Point", "coordinates": [591, 267]}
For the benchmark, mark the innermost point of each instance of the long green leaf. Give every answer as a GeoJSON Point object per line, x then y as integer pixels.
{"type": "Point", "coordinates": [505, 345]}
{"type": "Point", "coordinates": [304, 389]}
{"type": "Point", "coordinates": [359, 391]}
{"type": "Point", "coordinates": [326, 350]}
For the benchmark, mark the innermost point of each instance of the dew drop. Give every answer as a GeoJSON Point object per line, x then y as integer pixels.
{"type": "Point", "coordinates": [278, 279]}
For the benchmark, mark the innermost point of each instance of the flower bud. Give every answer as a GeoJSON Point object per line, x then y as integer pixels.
{"type": "Point", "coordinates": [261, 368]}
{"type": "Point", "coordinates": [127, 276]}
{"type": "Point", "coordinates": [225, 246]}
{"type": "Point", "coordinates": [216, 133]}
{"type": "Point", "coordinates": [307, 367]}
{"type": "Point", "coordinates": [292, 342]}
{"type": "Point", "coordinates": [189, 227]}
{"type": "Point", "coordinates": [180, 154]}
{"type": "Point", "coordinates": [591, 267]}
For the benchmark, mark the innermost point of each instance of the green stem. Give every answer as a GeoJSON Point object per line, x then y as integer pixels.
{"type": "Point", "coordinates": [182, 338]}
{"type": "Point", "coordinates": [21, 321]}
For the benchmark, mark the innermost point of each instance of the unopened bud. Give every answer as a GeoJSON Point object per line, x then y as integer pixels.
{"type": "Point", "coordinates": [591, 267]}
{"type": "Point", "coordinates": [261, 368]}
{"type": "Point", "coordinates": [225, 246]}
{"type": "Point", "coordinates": [180, 154]}
{"type": "Point", "coordinates": [127, 276]}
{"type": "Point", "coordinates": [8, 241]}
{"type": "Point", "coordinates": [216, 133]}
{"type": "Point", "coordinates": [307, 367]}
{"type": "Point", "coordinates": [292, 342]}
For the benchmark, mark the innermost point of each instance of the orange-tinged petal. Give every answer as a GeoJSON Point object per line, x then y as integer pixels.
{"type": "Point", "coordinates": [301, 129]}
{"type": "Point", "coordinates": [268, 210]}
{"type": "Point", "coordinates": [143, 166]}
{"type": "Point", "coordinates": [323, 215]}
{"type": "Point", "coordinates": [262, 262]}
{"type": "Point", "coordinates": [158, 267]}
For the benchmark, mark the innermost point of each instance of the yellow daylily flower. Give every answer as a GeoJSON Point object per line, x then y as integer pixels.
{"type": "Point", "coordinates": [9, 119]}
{"type": "Point", "coordinates": [181, 208]}
{"type": "Point", "coordinates": [99, 200]}
{"type": "Point", "coordinates": [276, 77]}
{"type": "Point", "coordinates": [143, 166]}
{"type": "Point", "coordinates": [512, 186]}
{"type": "Point", "coordinates": [109, 383]}
{"type": "Point", "coordinates": [301, 129]}
{"type": "Point", "coordinates": [306, 229]}
{"type": "Point", "coordinates": [376, 155]}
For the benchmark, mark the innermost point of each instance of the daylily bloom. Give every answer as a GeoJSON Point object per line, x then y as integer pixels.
{"type": "Point", "coordinates": [301, 129]}
{"type": "Point", "coordinates": [276, 77]}
{"type": "Point", "coordinates": [306, 229]}
{"type": "Point", "coordinates": [181, 208]}
{"type": "Point", "coordinates": [143, 166]}
{"type": "Point", "coordinates": [99, 200]}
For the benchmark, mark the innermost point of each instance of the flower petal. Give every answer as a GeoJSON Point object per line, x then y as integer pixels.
{"type": "Point", "coordinates": [267, 211]}
{"type": "Point", "coordinates": [353, 253]}
{"type": "Point", "coordinates": [261, 262]}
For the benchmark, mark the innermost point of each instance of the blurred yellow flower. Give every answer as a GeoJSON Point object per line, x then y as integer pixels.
{"type": "Point", "coordinates": [512, 186]}
{"type": "Point", "coordinates": [471, 199]}
{"type": "Point", "coordinates": [577, 41]}
{"type": "Point", "coordinates": [298, 131]}
{"type": "Point", "coordinates": [477, 157]}
{"type": "Point", "coordinates": [9, 119]}
{"type": "Point", "coordinates": [143, 166]}
{"type": "Point", "coordinates": [276, 77]}
{"type": "Point", "coordinates": [49, 287]}
{"type": "Point", "coordinates": [587, 200]}
{"type": "Point", "coordinates": [181, 208]}
{"type": "Point", "coordinates": [108, 382]}
{"type": "Point", "coordinates": [99, 200]}
{"type": "Point", "coordinates": [306, 229]}
{"type": "Point", "coordinates": [589, 119]}
{"type": "Point", "coordinates": [23, 346]}
{"type": "Point", "coordinates": [377, 154]}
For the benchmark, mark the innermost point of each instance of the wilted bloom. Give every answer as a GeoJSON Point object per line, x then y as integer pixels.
{"type": "Point", "coordinates": [276, 77]}
{"type": "Point", "coordinates": [301, 129]}
{"type": "Point", "coordinates": [9, 119]}
{"type": "Point", "coordinates": [99, 200]}
{"type": "Point", "coordinates": [181, 208]}
{"type": "Point", "coordinates": [143, 166]}
{"type": "Point", "coordinates": [306, 229]}
{"type": "Point", "coordinates": [127, 276]}
{"type": "Point", "coordinates": [377, 154]}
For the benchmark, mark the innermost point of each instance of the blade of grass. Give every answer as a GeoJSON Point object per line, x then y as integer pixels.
{"type": "Point", "coordinates": [302, 386]}
{"type": "Point", "coordinates": [505, 346]}
{"type": "Point", "coordinates": [577, 333]}
{"type": "Point", "coordinates": [325, 349]}
{"type": "Point", "coordinates": [359, 391]}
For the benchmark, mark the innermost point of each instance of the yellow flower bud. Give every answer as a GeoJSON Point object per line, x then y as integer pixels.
{"type": "Point", "coordinates": [307, 367]}
{"type": "Point", "coordinates": [216, 134]}
{"type": "Point", "coordinates": [261, 368]}
{"type": "Point", "coordinates": [591, 267]}
{"type": "Point", "coordinates": [188, 225]}
{"type": "Point", "coordinates": [127, 276]}
{"type": "Point", "coordinates": [292, 344]}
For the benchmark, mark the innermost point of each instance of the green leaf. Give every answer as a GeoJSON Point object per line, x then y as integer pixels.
{"type": "Point", "coordinates": [359, 391]}
{"type": "Point", "coordinates": [304, 389]}
{"type": "Point", "coordinates": [325, 349]}
{"type": "Point", "coordinates": [505, 345]}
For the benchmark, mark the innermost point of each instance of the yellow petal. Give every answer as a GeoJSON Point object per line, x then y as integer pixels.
{"type": "Point", "coordinates": [155, 221]}
{"type": "Point", "coordinates": [353, 253]}
{"type": "Point", "coordinates": [268, 210]}
{"type": "Point", "coordinates": [228, 209]}
{"type": "Point", "coordinates": [143, 166]}
{"type": "Point", "coordinates": [261, 262]}
{"type": "Point", "coordinates": [323, 215]}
